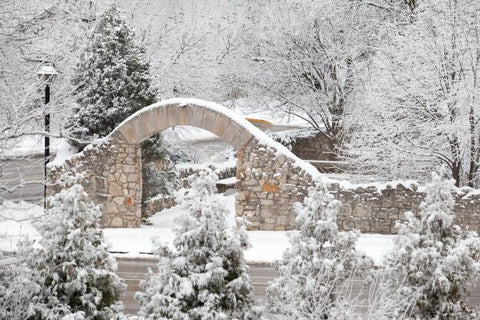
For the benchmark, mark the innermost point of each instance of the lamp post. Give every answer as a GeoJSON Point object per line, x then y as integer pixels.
{"type": "Point", "coordinates": [46, 75]}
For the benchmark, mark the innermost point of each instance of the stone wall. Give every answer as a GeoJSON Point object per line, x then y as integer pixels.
{"type": "Point", "coordinates": [268, 184]}
{"type": "Point", "coordinates": [152, 206]}
{"type": "Point", "coordinates": [371, 209]}
{"type": "Point", "coordinates": [318, 150]}
{"type": "Point", "coordinates": [318, 147]}
{"type": "Point", "coordinates": [270, 178]}
{"type": "Point", "coordinates": [110, 173]}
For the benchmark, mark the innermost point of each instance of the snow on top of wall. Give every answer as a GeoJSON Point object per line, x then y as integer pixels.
{"type": "Point", "coordinates": [289, 136]}
{"type": "Point", "coordinates": [262, 138]}
{"type": "Point", "coordinates": [463, 192]}
{"type": "Point", "coordinates": [64, 152]}
{"type": "Point", "coordinates": [408, 184]}
{"type": "Point", "coordinates": [68, 153]}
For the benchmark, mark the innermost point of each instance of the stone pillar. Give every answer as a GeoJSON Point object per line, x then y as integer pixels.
{"type": "Point", "coordinates": [268, 185]}
{"type": "Point", "coordinates": [123, 206]}
{"type": "Point", "coordinates": [111, 174]}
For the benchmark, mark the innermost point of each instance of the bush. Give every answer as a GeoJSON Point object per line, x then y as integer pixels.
{"type": "Point", "coordinates": [320, 261]}
{"type": "Point", "coordinates": [434, 260]}
{"type": "Point", "coordinates": [112, 80]}
{"type": "Point", "coordinates": [72, 270]}
{"type": "Point", "coordinates": [206, 277]}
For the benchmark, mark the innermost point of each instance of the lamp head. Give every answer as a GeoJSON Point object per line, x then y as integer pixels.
{"type": "Point", "coordinates": [47, 74]}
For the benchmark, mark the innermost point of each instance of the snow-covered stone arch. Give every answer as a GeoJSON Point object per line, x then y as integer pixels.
{"type": "Point", "coordinates": [191, 112]}
{"type": "Point", "coordinates": [269, 177]}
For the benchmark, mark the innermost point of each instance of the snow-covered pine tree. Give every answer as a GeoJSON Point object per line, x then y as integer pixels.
{"type": "Point", "coordinates": [320, 260]}
{"type": "Point", "coordinates": [434, 260]}
{"type": "Point", "coordinates": [72, 267]}
{"type": "Point", "coordinates": [112, 79]}
{"type": "Point", "coordinates": [158, 176]}
{"type": "Point", "coordinates": [206, 277]}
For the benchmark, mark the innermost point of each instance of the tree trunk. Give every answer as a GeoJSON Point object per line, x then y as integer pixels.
{"type": "Point", "coordinates": [456, 173]}
{"type": "Point", "coordinates": [471, 170]}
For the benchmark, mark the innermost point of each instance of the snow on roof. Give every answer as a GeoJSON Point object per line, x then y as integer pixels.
{"type": "Point", "coordinates": [227, 181]}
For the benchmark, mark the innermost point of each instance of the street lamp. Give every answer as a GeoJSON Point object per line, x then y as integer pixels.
{"type": "Point", "coordinates": [47, 75]}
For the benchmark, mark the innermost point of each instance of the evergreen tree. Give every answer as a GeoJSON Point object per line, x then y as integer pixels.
{"type": "Point", "coordinates": [73, 269]}
{"type": "Point", "coordinates": [433, 260]}
{"type": "Point", "coordinates": [158, 176]}
{"type": "Point", "coordinates": [112, 79]}
{"type": "Point", "coordinates": [206, 277]}
{"type": "Point", "coordinates": [321, 259]}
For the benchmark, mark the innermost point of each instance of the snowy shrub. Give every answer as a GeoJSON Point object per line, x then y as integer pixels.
{"type": "Point", "coordinates": [320, 261]}
{"type": "Point", "coordinates": [206, 277]}
{"type": "Point", "coordinates": [73, 269]}
{"type": "Point", "coordinates": [112, 80]}
{"type": "Point", "coordinates": [434, 260]}
{"type": "Point", "coordinates": [378, 301]}
{"type": "Point", "coordinates": [16, 291]}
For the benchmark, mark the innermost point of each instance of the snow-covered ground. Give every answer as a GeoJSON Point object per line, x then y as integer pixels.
{"type": "Point", "coordinates": [16, 220]}
{"type": "Point", "coordinates": [267, 246]}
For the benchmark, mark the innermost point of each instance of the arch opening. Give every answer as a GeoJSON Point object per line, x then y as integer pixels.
{"type": "Point", "coordinates": [184, 151]}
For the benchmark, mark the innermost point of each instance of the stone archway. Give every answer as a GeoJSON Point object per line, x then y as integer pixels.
{"type": "Point", "coordinates": [269, 177]}
{"type": "Point", "coordinates": [190, 112]}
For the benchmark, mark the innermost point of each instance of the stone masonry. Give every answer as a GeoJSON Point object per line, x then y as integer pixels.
{"type": "Point", "coordinates": [270, 178]}
{"type": "Point", "coordinates": [371, 209]}
{"type": "Point", "coordinates": [268, 184]}
{"type": "Point", "coordinates": [110, 173]}
{"type": "Point", "coordinates": [318, 147]}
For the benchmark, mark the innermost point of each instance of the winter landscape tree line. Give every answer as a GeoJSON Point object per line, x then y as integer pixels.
{"type": "Point", "coordinates": [393, 83]}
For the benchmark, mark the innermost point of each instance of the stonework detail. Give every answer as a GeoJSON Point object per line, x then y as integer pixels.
{"type": "Point", "coordinates": [270, 180]}
{"type": "Point", "coordinates": [268, 184]}
{"type": "Point", "coordinates": [110, 173]}
{"type": "Point", "coordinates": [318, 147]}
{"type": "Point", "coordinates": [373, 210]}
